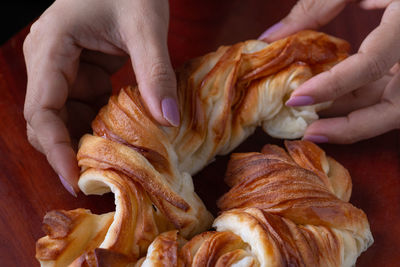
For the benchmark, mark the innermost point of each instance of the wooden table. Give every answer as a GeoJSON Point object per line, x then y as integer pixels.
{"type": "Point", "coordinates": [29, 188]}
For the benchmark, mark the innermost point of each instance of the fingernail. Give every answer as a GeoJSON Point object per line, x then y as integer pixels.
{"type": "Point", "coordinates": [67, 186]}
{"type": "Point", "coordinates": [270, 31]}
{"type": "Point", "coordinates": [170, 111]}
{"type": "Point", "coordinates": [301, 100]}
{"type": "Point", "coordinates": [316, 138]}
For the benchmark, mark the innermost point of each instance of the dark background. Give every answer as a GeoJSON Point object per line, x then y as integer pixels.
{"type": "Point", "coordinates": [17, 14]}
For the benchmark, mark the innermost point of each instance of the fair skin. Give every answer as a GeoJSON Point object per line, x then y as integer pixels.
{"type": "Point", "coordinates": [365, 87]}
{"type": "Point", "coordinates": [75, 46]}
{"type": "Point", "coordinates": [70, 53]}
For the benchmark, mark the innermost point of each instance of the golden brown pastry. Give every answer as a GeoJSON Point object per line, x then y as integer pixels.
{"type": "Point", "coordinates": [223, 97]}
{"type": "Point", "coordinates": [283, 209]}
{"type": "Point", "coordinates": [69, 234]}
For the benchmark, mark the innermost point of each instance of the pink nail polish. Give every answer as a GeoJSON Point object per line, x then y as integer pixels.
{"type": "Point", "coordinates": [270, 31]}
{"type": "Point", "coordinates": [67, 186]}
{"type": "Point", "coordinates": [316, 138]}
{"type": "Point", "coordinates": [170, 111]}
{"type": "Point", "coordinates": [301, 100]}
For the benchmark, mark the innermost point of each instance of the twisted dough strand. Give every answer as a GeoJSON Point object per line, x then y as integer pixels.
{"type": "Point", "coordinates": [277, 213]}
{"type": "Point", "coordinates": [223, 97]}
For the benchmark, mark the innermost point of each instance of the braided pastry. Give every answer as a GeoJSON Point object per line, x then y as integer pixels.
{"type": "Point", "coordinates": [282, 210]}
{"type": "Point", "coordinates": [223, 97]}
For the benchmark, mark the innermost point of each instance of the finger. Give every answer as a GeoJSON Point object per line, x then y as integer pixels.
{"type": "Point", "coordinates": [36, 144]}
{"type": "Point", "coordinates": [157, 83]}
{"type": "Point", "coordinates": [33, 139]}
{"type": "Point", "coordinates": [363, 123]}
{"type": "Point", "coordinates": [53, 137]}
{"type": "Point", "coordinates": [374, 4]}
{"type": "Point", "coordinates": [395, 69]}
{"type": "Point", "coordinates": [150, 59]}
{"type": "Point", "coordinates": [377, 54]}
{"type": "Point", "coordinates": [306, 14]}
{"type": "Point", "coordinates": [51, 68]}
{"type": "Point", "coordinates": [365, 96]}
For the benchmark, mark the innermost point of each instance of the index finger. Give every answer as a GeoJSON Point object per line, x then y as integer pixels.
{"type": "Point", "coordinates": [51, 68]}
{"type": "Point", "coordinates": [377, 54]}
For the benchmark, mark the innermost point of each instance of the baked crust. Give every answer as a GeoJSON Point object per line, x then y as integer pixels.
{"type": "Point", "coordinates": [224, 96]}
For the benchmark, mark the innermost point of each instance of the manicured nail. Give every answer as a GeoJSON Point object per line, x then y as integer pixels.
{"type": "Point", "coordinates": [316, 138]}
{"type": "Point", "coordinates": [300, 100]}
{"type": "Point", "coordinates": [67, 186]}
{"type": "Point", "coordinates": [270, 31]}
{"type": "Point", "coordinates": [170, 111]}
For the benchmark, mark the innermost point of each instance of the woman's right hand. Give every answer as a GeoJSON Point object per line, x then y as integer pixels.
{"type": "Point", "coordinates": [364, 87]}
{"type": "Point", "coordinates": [70, 53]}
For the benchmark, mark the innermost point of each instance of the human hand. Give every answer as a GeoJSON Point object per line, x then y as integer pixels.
{"type": "Point", "coordinates": [365, 87]}
{"type": "Point", "coordinates": [71, 51]}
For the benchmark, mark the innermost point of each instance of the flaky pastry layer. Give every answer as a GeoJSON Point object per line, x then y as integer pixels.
{"type": "Point", "coordinates": [224, 96]}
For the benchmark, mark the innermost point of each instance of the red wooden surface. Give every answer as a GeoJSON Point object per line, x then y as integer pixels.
{"type": "Point", "coordinates": [29, 188]}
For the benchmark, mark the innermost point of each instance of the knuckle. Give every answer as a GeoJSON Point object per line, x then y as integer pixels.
{"type": "Point", "coordinates": [27, 115]}
{"type": "Point", "coordinates": [32, 138]}
{"type": "Point", "coordinates": [162, 72]}
{"type": "Point", "coordinates": [337, 85]}
{"type": "Point", "coordinates": [29, 132]}
{"type": "Point", "coordinates": [36, 26]}
{"type": "Point", "coordinates": [27, 112]}
{"type": "Point", "coordinates": [305, 9]}
{"type": "Point", "coordinates": [35, 33]}
{"type": "Point", "coordinates": [47, 25]}
{"type": "Point", "coordinates": [376, 67]}
{"type": "Point", "coordinates": [351, 134]}
{"type": "Point", "coordinates": [305, 6]}
{"type": "Point", "coordinates": [26, 45]}
{"type": "Point", "coordinates": [29, 108]}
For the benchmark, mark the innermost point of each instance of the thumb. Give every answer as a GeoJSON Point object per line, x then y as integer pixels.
{"type": "Point", "coordinates": [306, 14]}
{"type": "Point", "coordinates": [155, 76]}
